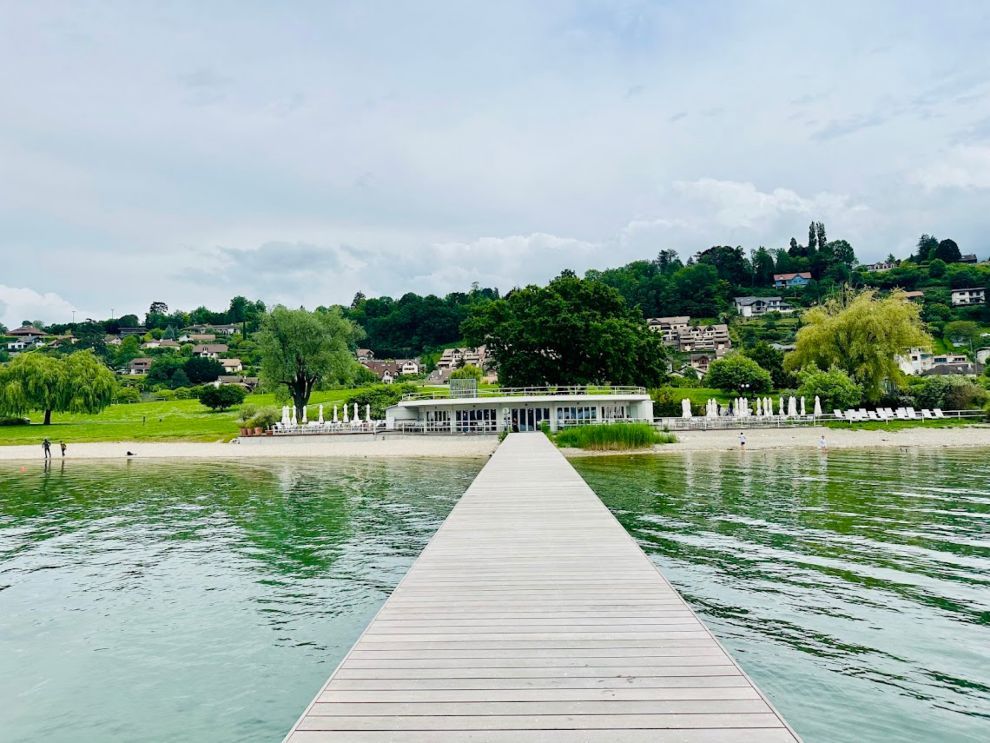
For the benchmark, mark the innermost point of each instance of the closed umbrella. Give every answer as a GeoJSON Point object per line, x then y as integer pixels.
{"type": "Point", "coordinates": [802, 407]}
{"type": "Point", "coordinates": [293, 415]}
{"type": "Point", "coordinates": [357, 418]}
{"type": "Point", "coordinates": [780, 406]}
{"type": "Point", "coordinates": [685, 408]}
{"type": "Point", "coordinates": [759, 407]}
{"type": "Point", "coordinates": [285, 415]}
{"type": "Point", "coordinates": [367, 413]}
{"type": "Point", "coordinates": [345, 414]}
{"type": "Point", "coordinates": [792, 407]}
{"type": "Point", "coordinates": [818, 406]}
{"type": "Point", "coordinates": [304, 415]}
{"type": "Point", "coordinates": [321, 415]}
{"type": "Point", "coordinates": [335, 414]}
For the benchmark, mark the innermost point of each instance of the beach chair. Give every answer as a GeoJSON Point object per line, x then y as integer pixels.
{"type": "Point", "coordinates": [863, 415]}
{"type": "Point", "coordinates": [901, 413]}
{"type": "Point", "coordinates": [850, 415]}
{"type": "Point", "coordinates": [837, 413]}
{"type": "Point", "coordinates": [890, 413]}
{"type": "Point", "coordinates": [911, 414]}
{"type": "Point", "coordinates": [874, 415]}
{"type": "Point", "coordinates": [926, 413]}
{"type": "Point", "coordinates": [938, 412]}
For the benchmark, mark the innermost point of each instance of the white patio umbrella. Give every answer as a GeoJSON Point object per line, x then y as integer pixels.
{"type": "Point", "coordinates": [792, 407]}
{"type": "Point", "coordinates": [802, 407]}
{"type": "Point", "coordinates": [769, 407]}
{"type": "Point", "coordinates": [367, 413]}
{"type": "Point", "coordinates": [335, 414]}
{"type": "Point", "coordinates": [357, 418]}
{"type": "Point", "coordinates": [304, 415]}
{"type": "Point", "coordinates": [345, 414]}
{"type": "Point", "coordinates": [818, 406]}
{"type": "Point", "coordinates": [685, 408]}
{"type": "Point", "coordinates": [285, 415]}
{"type": "Point", "coordinates": [780, 405]}
{"type": "Point", "coordinates": [321, 415]}
{"type": "Point", "coordinates": [759, 407]}
{"type": "Point", "coordinates": [293, 415]}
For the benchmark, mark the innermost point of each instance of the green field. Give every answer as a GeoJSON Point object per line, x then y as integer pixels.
{"type": "Point", "coordinates": [898, 425]}
{"type": "Point", "coordinates": [174, 420]}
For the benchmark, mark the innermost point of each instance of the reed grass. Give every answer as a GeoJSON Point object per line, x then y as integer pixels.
{"type": "Point", "coordinates": [613, 437]}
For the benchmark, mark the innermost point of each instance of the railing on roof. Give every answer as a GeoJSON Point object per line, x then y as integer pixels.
{"type": "Point", "coordinates": [584, 389]}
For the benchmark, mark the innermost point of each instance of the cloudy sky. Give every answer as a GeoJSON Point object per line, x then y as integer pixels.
{"type": "Point", "coordinates": [301, 151]}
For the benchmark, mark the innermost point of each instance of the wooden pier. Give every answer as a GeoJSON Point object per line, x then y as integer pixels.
{"type": "Point", "coordinates": [533, 616]}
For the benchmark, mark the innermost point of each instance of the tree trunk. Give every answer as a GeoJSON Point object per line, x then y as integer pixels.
{"type": "Point", "coordinates": [48, 417]}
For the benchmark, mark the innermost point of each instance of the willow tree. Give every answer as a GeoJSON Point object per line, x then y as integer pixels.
{"type": "Point", "coordinates": [862, 335]}
{"type": "Point", "coordinates": [78, 383]}
{"type": "Point", "coordinates": [301, 350]}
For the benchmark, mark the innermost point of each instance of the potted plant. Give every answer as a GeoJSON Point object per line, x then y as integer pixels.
{"type": "Point", "coordinates": [245, 415]}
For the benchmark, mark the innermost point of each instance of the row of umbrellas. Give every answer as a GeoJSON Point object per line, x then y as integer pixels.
{"type": "Point", "coordinates": [289, 415]}
{"type": "Point", "coordinates": [761, 408]}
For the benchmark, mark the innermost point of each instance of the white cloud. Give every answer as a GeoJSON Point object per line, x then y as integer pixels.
{"type": "Point", "coordinates": [965, 167]}
{"type": "Point", "coordinates": [19, 303]}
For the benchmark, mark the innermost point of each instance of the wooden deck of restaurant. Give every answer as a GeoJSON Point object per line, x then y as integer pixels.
{"type": "Point", "coordinates": [533, 616]}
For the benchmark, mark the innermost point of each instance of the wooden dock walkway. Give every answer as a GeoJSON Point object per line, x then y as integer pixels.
{"type": "Point", "coordinates": [533, 616]}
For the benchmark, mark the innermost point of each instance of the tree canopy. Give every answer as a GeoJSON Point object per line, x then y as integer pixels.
{"type": "Point", "coordinates": [834, 388]}
{"type": "Point", "coordinates": [861, 335]}
{"type": "Point", "coordinates": [572, 331]}
{"type": "Point", "coordinates": [301, 350]}
{"type": "Point", "coordinates": [738, 373]}
{"type": "Point", "coordinates": [78, 383]}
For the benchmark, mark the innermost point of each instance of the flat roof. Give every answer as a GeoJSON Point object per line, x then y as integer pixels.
{"type": "Point", "coordinates": [522, 399]}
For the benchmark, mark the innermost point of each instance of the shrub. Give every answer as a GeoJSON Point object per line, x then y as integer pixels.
{"type": "Point", "coordinates": [949, 393]}
{"type": "Point", "coordinates": [738, 373]}
{"type": "Point", "coordinates": [615, 436]}
{"type": "Point", "coordinates": [222, 397]}
{"type": "Point", "coordinates": [165, 395]}
{"type": "Point", "coordinates": [199, 370]}
{"type": "Point", "coordinates": [15, 421]}
{"type": "Point", "coordinates": [184, 393]}
{"type": "Point", "coordinates": [264, 418]}
{"type": "Point", "coordinates": [468, 371]}
{"type": "Point", "coordinates": [666, 402]}
{"type": "Point", "coordinates": [125, 395]}
{"type": "Point", "coordinates": [247, 413]}
{"type": "Point", "coordinates": [835, 388]}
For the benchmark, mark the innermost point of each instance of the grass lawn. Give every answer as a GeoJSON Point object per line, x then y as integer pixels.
{"type": "Point", "coordinates": [701, 395]}
{"type": "Point", "coordinates": [174, 420]}
{"type": "Point", "coordinates": [898, 425]}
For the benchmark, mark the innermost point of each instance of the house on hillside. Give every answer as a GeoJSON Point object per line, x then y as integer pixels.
{"type": "Point", "coordinates": [214, 330]}
{"type": "Point", "coordinates": [231, 366]}
{"type": "Point", "coordinates": [880, 266]}
{"type": "Point", "coordinates": [791, 280]}
{"type": "Point", "coordinates": [453, 358]}
{"type": "Point", "coordinates": [28, 333]}
{"type": "Point", "coordinates": [704, 338]}
{"type": "Point", "coordinates": [364, 354]}
{"type": "Point", "coordinates": [137, 330]}
{"type": "Point", "coordinates": [210, 350]}
{"type": "Point", "coordinates": [197, 338]}
{"type": "Point", "coordinates": [967, 297]}
{"type": "Point", "coordinates": [668, 327]}
{"type": "Point", "coordinates": [915, 296]}
{"type": "Point", "coordinates": [139, 366]}
{"type": "Point", "coordinates": [408, 366]}
{"type": "Point", "coordinates": [113, 340]}
{"type": "Point", "coordinates": [968, 258]}
{"type": "Point", "coordinates": [756, 306]}
{"type": "Point", "coordinates": [386, 371]}
{"type": "Point", "coordinates": [701, 361]}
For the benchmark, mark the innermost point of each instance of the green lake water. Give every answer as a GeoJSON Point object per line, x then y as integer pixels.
{"type": "Point", "coordinates": [854, 588]}
{"type": "Point", "coordinates": [198, 602]}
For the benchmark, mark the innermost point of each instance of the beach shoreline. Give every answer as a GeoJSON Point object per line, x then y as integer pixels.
{"type": "Point", "coordinates": [763, 439]}
{"type": "Point", "coordinates": [757, 439]}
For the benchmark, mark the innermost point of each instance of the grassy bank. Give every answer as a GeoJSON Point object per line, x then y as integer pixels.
{"type": "Point", "coordinates": [612, 437]}
{"type": "Point", "coordinates": [900, 425]}
{"type": "Point", "coordinates": [172, 420]}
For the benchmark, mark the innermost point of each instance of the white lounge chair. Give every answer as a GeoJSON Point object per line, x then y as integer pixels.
{"type": "Point", "coordinates": [890, 413]}
{"type": "Point", "coordinates": [911, 414]}
{"type": "Point", "coordinates": [873, 415]}
{"type": "Point", "coordinates": [901, 413]}
{"type": "Point", "coordinates": [938, 413]}
{"type": "Point", "coordinates": [926, 413]}
{"type": "Point", "coordinates": [837, 413]}
{"type": "Point", "coordinates": [863, 415]}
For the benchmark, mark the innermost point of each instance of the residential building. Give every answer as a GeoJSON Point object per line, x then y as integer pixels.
{"type": "Point", "coordinates": [704, 338]}
{"type": "Point", "coordinates": [210, 350]}
{"type": "Point", "coordinates": [364, 354]}
{"type": "Point", "coordinates": [213, 330]}
{"type": "Point", "coordinates": [197, 338]}
{"type": "Point", "coordinates": [669, 327]}
{"type": "Point", "coordinates": [386, 371]}
{"type": "Point", "coordinates": [701, 361]}
{"type": "Point", "coordinates": [113, 340]}
{"type": "Point", "coordinates": [408, 366]}
{"type": "Point", "coordinates": [248, 383]}
{"type": "Point", "coordinates": [453, 358]}
{"type": "Point", "coordinates": [914, 296]}
{"type": "Point", "coordinates": [139, 330]}
{"type": "Point", "coordinates": [881, 266]}
{"type": "Point", "coordinates": [970, 296]}
{"type": "Point", "coordinates": [791, 280]}
{"type": "Point", "coordinates": [231, 366]}
{"type": "Point", "coordinates": [139, 366]}
{"type": "Point", "coordinates": [915, 361]}
{"type": "Point", "coordinates": [28, 333]}
{"type": "Point", "coordinates": [756, 306]}
{"type": "Point", "coordinates": [967, 368]}
{"type": "Point", "coordinates": [968, 258]}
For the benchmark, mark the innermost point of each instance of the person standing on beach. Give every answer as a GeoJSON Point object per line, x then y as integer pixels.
{"type": "Point", "coordinates": [64, 447]}
{"type": "Point", "coordinates": [742, 440]}
{"type": "Point", "coordinates": [46, 447]}
{"type": "Point", "coordinates": [822, 446]}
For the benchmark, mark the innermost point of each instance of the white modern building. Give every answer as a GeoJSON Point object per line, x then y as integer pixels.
{"type": "Point", "coordinates": [755, 306]}
{"type": "Point", "coordinates": [964, 297]}
{"type": "Point", "coordinates": [519, 409]}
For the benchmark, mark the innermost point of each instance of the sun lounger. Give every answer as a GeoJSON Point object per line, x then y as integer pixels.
{"type": "Point", "coordinates": [901, 413]}
{"type": "Point", "coordinates": [874, 415]}
{"type": "Point", "coordinates": [863, 415]}
{"type": "Point", "coordinates": [837, 412]}
{"type": "Point", "coordinates": [911, 414]}
{"type": "Point", "coordinates": [926, 413]}
{"type": "Point", "coordinates": [938, 413]}
{"type": "Point", "coordinates": [890, 413]}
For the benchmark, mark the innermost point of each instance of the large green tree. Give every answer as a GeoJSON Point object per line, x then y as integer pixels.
{"type": "Point", "coordinates": [572, 331]}
{"type": "Point", "coordinates": [738, 373]}
{"type": "Point", "coordinates": [301, 350]}
{"type": "Point", "coordinates": [78, 383]}
{"type": "Point", "coordinates": [862, 335]}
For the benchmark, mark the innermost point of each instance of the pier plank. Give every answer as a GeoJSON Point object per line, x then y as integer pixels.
{"type": "Point", "coordinates": [532, 616]}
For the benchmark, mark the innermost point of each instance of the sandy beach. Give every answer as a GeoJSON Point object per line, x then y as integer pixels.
{"type": "Point", "coordinates": [483, 446]}
{"type": "Point", "coordinates": [280, 448]}
{"type": "Point", "coordinates": [807, 438]}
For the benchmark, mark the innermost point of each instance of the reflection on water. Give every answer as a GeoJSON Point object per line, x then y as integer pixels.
{"type": "Point", "coordinates": [196, 601]}
{"type": "Point", "coordinates": [853, 587]}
